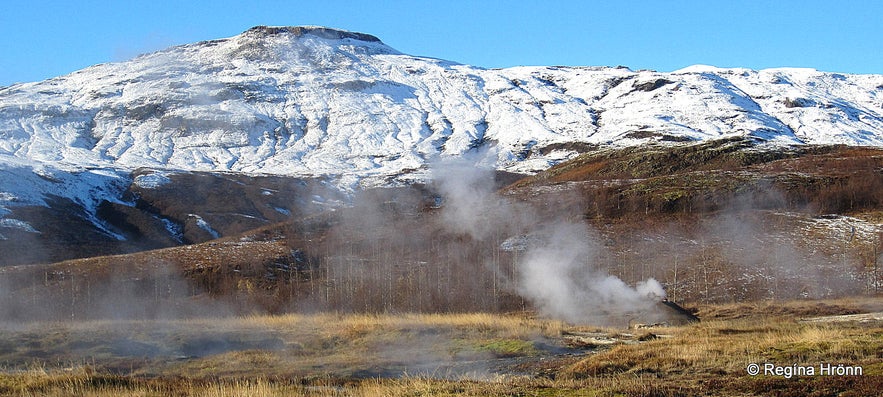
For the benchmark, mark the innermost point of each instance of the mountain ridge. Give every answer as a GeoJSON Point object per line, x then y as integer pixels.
{"type": "Point", "coordinates": [347, 110]}
{"type": "Point", "coordinates": [320, 101]}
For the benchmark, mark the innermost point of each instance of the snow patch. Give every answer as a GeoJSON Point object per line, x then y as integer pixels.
{"type": "Point", "coordinates": [152, 181]}
{"type": "Point", "coordinates": [18, 224]}
{"type": "Point", "coordinates": [25, 183]}
{"type": "Point", "coordinates": [845, 228]}
{"type": "Point", "coordinates": [175, 230]}
{"type": "Point", "coordinates": [205, 226]}
{"type": "Point", "coordinates": [520, 243]}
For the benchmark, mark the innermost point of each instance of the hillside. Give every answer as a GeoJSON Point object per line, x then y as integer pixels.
{"type": "Point", "coordinates": [715, 222]}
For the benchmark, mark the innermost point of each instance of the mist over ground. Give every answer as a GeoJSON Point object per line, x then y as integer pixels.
{"type": "Point", "coordinates": [582, 251]}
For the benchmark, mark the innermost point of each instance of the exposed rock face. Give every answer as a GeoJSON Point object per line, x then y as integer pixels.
{"type": "Point", "coordinates": [676, 314]}
{"type": "Point", "coordinates": [648, 86]}
{"type": "Point", "coordinates": [318, 31]}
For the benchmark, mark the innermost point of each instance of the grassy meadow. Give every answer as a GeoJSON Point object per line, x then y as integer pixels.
{"type": "Point", "coordinates": [518, 354]}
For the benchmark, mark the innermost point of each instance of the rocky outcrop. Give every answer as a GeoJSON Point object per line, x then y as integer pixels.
{"type": "Point", "coordinates": [318, 31]}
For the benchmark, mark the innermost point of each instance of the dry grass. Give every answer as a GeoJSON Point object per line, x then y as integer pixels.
{"type": "Point", "coordinates": [81, 383]}
{"type": "Point", "coordinates": [716, 353]}
{"type": "Point", "coordinates": [284, 346]}
{"type": "Point", "coordinates": [514, 325]}
{"type": "Point", "coordinates": [322, 355]}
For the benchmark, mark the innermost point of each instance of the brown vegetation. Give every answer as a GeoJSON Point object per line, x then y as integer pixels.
{"type": "Point", "coordinates": [708, 177]}
{"type": "Point", "coordinates": [714, 222]}
{"type": "Point", "coordinates": [344, 355]}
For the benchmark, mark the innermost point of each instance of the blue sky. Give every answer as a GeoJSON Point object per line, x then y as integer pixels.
{"type": "Point", "coordinates": [42, 39]}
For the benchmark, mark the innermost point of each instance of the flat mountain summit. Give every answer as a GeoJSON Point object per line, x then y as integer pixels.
{"type": "Point", "coordinates": [318, 31]}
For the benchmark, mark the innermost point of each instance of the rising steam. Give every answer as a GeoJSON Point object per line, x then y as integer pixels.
{"type": "Point", "coordinates": [557, 268]}
{"type": "Point", "coordinates": [559, 277]}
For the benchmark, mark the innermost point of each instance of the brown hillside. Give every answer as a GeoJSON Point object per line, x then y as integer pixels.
{"type": "Point", "coordinates": [717, 222]}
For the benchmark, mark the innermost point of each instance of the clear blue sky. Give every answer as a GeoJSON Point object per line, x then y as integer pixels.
{"type": "Point", "coordinates": [42, 39]}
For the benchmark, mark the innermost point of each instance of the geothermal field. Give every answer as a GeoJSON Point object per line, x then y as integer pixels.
{"type": "Point", "coordinates": [302, 210]}
{"type": "Point", "coordinates": [471, 285]}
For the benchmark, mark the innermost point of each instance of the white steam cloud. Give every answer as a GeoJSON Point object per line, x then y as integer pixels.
{"type": "Point", "coordinates": [557, 258]}
{"type": "Point", "coordinates": [558, 275]}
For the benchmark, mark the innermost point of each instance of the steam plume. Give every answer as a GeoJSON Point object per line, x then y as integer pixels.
{"type": "Point", "coordinates": [557, 271]}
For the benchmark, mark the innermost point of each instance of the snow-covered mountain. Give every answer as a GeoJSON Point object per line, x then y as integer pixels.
{"type": "Point", "coordinates": [314, 101]}
{"type": "Point", "coordinates": [317, 101]}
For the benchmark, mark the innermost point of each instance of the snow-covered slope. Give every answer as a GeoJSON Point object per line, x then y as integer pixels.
{"type": "Point", "coordinates": [308, 100]}
{"type": "Point", "coordinates": [312, 101]}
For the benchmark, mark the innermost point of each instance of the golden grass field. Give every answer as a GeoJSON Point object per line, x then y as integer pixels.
{"type": "Point", "coordinates": [477, 354]}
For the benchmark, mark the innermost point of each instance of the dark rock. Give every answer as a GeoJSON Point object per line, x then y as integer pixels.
{"type": "Point", "coordinates": [325, 33]}
{"type": "Point", "coordinates": [799, 103]}
{"type": "Point", "coordinates": [651, 85]}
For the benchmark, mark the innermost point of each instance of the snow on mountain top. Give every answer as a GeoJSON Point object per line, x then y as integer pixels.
{"type": "Point", "coordinates": [311, 100]}
{"type": "Point", "coordinates": [696, 69]}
